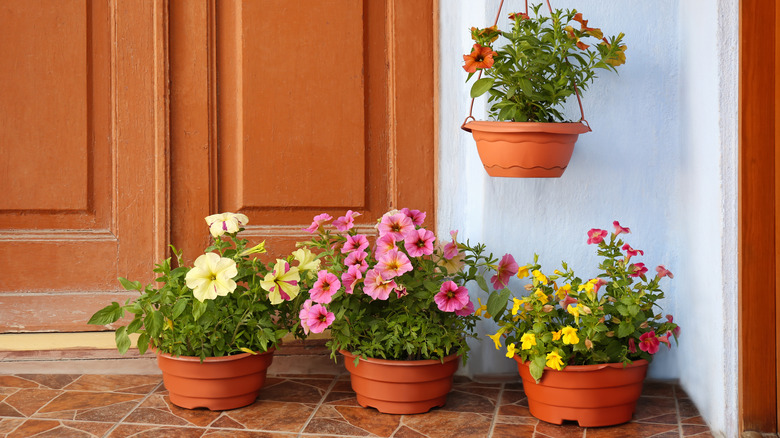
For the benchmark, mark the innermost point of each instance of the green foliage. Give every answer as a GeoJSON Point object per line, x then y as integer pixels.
{"type": "Point", "coordinates": [540, 62]}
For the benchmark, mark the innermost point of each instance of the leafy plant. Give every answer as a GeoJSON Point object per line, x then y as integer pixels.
{"type": "Point", "coordinates": [542, 62]}
{"type": "Point", "coordinates": [564, 321]}
{"type": "Point", "coordinates": [228, 303]}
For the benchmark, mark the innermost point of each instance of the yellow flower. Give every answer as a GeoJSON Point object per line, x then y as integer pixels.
{"type": "Point", "coordinates": [528, 340]}
{"type": "Point", "coordinates": [307, 261]}
{"type": "Point", "coordinates": [510, 350]}
{"type": "Point", "coordinates": [574, 311]}
{"type": "Point", "coordinates": [541, 296]}
{"type": "Point", "coordinates": [563, 291]}
{"type": "Point", "coordinates": [257, 249]}
{"type": "Point", "coordinates": [497, 337]}
{"type": "Point", "coordinates": [588, 287]}
{"type": "Point", "coordinates": [538, 276]}
{"type": "Point", "coordinates": [282, 282]}
{"type": "Point", "coordinates": [222, 223]}
{"type": "Point", "coordinates": [212, 276]}
{"type": "Point", "coordinates": [482, 309]}
{"type": "Point", "coordinates": [516, 305]}
{"type": "Point", "coordinates": [570, 335]}
{"type": "Point", "coordinates": [554, 360]}
{"type": "Point", "coordinates": [556, 335]}
{"type": "Point", "coordinates": [522, 272]}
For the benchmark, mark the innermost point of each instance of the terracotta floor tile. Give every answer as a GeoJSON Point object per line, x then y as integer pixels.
{"type": "Point", "coordinates": [298, 391]}
{"type": "Point", "coordinates": [658, 389]}
{"type": "Point", "coordinates": [211, 433]}
{"type": "Point", "coordinates": [51, 381]}
{"type": "Point", "coordinates": [370, 420]}
{"type": "Point", "coordinates": [144, 431]}
{"type": "Point", "coordinates": [133, 384]}
{"type": "Point", "coordinates": [694, 430]}
{"type": "Point", "coordinates": [513, 431]}
{"type": "Point", "coordinates": [97, 406]}
{"type": "Point", "coordinates": [341, 399]}
{"type": "Point", "coordinates": [272, 416]}
{"type": "Point", "coordinates": [480, 400]}
{"type": "Point", "coordinates": [9, 424]}
{"type": "Point", "coordinates": [16, 382]}
{"type": "Point", "coordinates": [7, 410]}
{"type": "Point", "coordinates": [687, 409]}
{"type": "Point", "coordinates": [566, 430]}
{"type": "Point", "coordinates": [649, 407]}
{"type": "Point", "coordinates": [32, 427]}
{"type": "Point", "coordinates": [693, 420]}
{"type": "Point", "coordinates": [29, 400]}
{"type": "Point", "coordinates": [158, 409]}
{"type": "Point", "coordinates": [511, 419]}
{"type": "Point", "coordinates": [405, 432]}
{"type": "Point", "coordinates": [630, 430]}
{"type": "Point", "coordinates": [663, 419]}
{"type": "Point", "coordinates": [441, 424]}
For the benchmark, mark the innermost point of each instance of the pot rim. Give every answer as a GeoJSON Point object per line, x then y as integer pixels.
{"type": "Point", "coordinates": [402, 363]}
{"type": "Point", "coordinates": [585, 368]}
{"type": "Point", "coordinates": [551, 127]}
{"type": "Point", "coordinates": [211, 359]}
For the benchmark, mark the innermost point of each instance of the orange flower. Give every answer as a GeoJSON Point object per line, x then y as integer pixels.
{"type": "Point", "coordinates": [480, 57]}
{"type": "Point", "coordinates": [486, 35]}
{"type": "Point", "coordinates": [619, 58]}
{"type": "Point", "coordinates": [592, 31]}
{"type": "Point", "coordinates": [518, 16]}
{"type": "Point", "coordinates": [580, 44]}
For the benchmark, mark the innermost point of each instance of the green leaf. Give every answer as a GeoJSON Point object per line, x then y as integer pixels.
{"type": "Point", "coordinates": [537, 367]}
{"type": "Point", "coordinates": [122, 340]}
{"type": "Point", "coordinates": [624, 329]}
{"type": "Point", "coordinates": [178, 308]}
{"type": "Point", "coordinates": [198, 309]}
{"type": "Point", "coordinates": [482, 283]}
{"type": "Point", "coordinates": [154, 323]}
{"type": "Point", "coordinates": [143, 343]}
{"type": "Point", "coordinates": [481, 86]}
{"type": "Point", "coordinates": [497, 302]}
{"type": "Point", "coordinates": [130, 285]}
{"type": "Point", "coordinates": [107, 315]}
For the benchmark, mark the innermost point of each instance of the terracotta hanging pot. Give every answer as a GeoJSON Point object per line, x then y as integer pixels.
{"type": "Point", "coordinates": [401, 386]}
{"type": "Point", "coordinates": [591, 395]}
{"type": "Point", "coordinates": [218, 383]}
{"type": "Point", "coordinates": [525, 149]}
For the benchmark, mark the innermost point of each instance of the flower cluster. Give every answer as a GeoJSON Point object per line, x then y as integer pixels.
{"type": "Point", "coordinates": [227, 303]}
{"type": "Point", "coordinates": [564, 320]}
{"type": "Point", "coordinates": [402, 296]}
{"type": "Point", "coordinates": [543, 61]}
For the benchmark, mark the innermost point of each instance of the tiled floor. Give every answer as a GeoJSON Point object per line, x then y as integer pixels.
{"type": "Point", "coordinates": [65, 405]}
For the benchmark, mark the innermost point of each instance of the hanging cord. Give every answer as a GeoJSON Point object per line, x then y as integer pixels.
{"type": "Point", "coordinates": [574, 82]}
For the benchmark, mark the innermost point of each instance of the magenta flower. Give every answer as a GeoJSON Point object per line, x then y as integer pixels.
{"type": "Point", "coordinates": [323, 289]}
{"type": "Point", "coordinates": [663, 272]}
{"type": "Point", "coordinates": [451, 297]}
{"type": "Point", "coordinates": [638, 270]}
{"type": "Point", "coordinates": [384, 244]}
{"type": "Point", "coordinates": [596, 236]}
{"type": "Point", "coordinates": [303, 315]}
{"type": "Point", "coordinates": [649, 342]}
{"type": "Point", "coordinates": [319, 318]}
{"type": "Point", "coordinates": [599, 283]}
{"type": "Point", "coordinates": [676, 331]}
{"type": "Point", "coordinates": [631, 251]}
{"type": "Point", "coordinates": [401, 291]}
{"type": "Point", "coordinates": [451, 249]}
{"type": "Point", "coordinates": [417, 216]}
{"type": "Point", "coordinates": [397, 225]}
{"type": "Point", "coordinates": [466, 310]}
{"type": "Point", "coordinates": [350, 278]}
{"type": "Point", "coordinates": [619, 229]}
{"type": "Point", "coordinates": [419, 242]}
{"type": "Point", "coordinates": [393, 263]}
{"type": "Point", "coordinates": [507, 267]}
{"type": "Point", "coordinates": [318, 220]}
{"type": "Point", "coordinates": [631, 345]}
{"type": "Point", "coordinates": [378, 287]}
{"type": "Point", "coordinates": [665, 339]}
{"type": "Point", "coordinates": [357, 258]}
{"type": "Point", "coordinates": [568, 299]}
{"type": "Point", "coordinates": [358, 242]}
{"type": "Point", "coordinates": [346, 222]}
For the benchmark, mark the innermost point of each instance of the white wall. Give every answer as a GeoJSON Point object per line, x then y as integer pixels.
{"type": "Point", "coordinates": [672, 102]}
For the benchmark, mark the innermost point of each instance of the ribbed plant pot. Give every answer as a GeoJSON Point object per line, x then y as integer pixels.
{"type": "Point", "coordinates": [525, 149]}
{"type": "Point", "coordinates": [401, 386]}
{"type": "Point", "coordinates": [591, 395]}
{"type": "Point", "coordinates": [218, 383]}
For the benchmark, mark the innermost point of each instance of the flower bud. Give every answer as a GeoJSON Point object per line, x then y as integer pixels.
{"type": "Point", "coordinates": [528, 287]}
{"type": "Point", "coordinates": [610, 334]}
{"type": "Point", "coordinates": [611, 299]}
{"type": "Point", "coordinates": [644, 325]}
{"type": "Point", "coordinates": [601, 320]}
{"type": "Point", "coordinates": [585, 309]}
{"type": "Point", "coordinates": [547, 308]}
{"type": "Point", "coordinates": [588, 344]}
{"type": "Point", "coordinates": [615, 320]}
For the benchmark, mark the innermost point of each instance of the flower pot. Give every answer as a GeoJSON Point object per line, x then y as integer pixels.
{"type": "Point", "coordinates": [591, 395]}
{"type": "Point", "coordinates": [401, 386]}
{"type": "Point", "coordinates": [525, 149]}
{"type": "Point", "coordinates": [218, 383]}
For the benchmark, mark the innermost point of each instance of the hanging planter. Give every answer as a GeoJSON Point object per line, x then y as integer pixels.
{"type": "Point", "coordinates": [592, 395]}
{"type": "Point", "coordinates": [217, 383]}
{"type": "Point", "coordinates": [401, 386]}
{"type": "Point", "coordinates": [544, 60]}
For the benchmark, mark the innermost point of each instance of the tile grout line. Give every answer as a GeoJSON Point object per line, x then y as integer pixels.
{"type": "Point", "coordinates": [496, 409]}
{"type": "Point", "coordinates": [149, 394]}
{"type": "Point", "coordinates": [317, 408]}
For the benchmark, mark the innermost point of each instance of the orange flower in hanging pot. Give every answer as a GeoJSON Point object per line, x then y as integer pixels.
{"type": "Point", "coordinates": [479, 58]}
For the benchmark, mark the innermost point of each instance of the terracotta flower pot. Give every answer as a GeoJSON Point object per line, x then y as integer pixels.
{"type": "Point", "coordinates": [591, 395]}
{"type": "Point", "coordinates": [525, 149]}
{"type": "Point", "coordinates": [219, 383]}
{"type": "Point", "coordinates": [401, 386]}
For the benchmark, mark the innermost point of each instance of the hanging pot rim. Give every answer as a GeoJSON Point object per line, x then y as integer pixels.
{"type": "Point", "coordinates": [586, 368]}
{"type": "Point", "coordinates": [400, 362]}
{"type": "Point", "coordinates": [550, 127]}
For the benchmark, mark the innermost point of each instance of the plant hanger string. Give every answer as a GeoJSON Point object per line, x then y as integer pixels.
{"type": "Point", "coordinates": [574, 82]}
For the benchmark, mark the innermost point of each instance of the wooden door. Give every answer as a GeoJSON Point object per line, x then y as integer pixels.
{"type": "Point", "coordinates": [82, 156]}
{"type": "Point", "coordinates": [282, 110]}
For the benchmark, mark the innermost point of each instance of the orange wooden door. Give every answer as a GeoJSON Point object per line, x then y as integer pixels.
{"type": "Point", "coordinates": [82, 123]}
{"type": "Point", "coordinates": [282, 110]}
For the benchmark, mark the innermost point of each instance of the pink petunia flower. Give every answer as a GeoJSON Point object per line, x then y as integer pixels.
{"type": "Point", "coordinates": [318, 220]}
{"type": "Point", "coordinates": [507, 267]}
{"type": "Point", "coordinates": [393, 263]}
{"type": "Point", "coordinates": [383, 245]}
{"type": "Point", "coordinates": [325, 287]}
{"type": "Point", "coordinates": [451, 297]}
{"type": "Point", "coordinates": [417, 216]}
{"type": "Point", "coordinates": [376, 286]}
{"type": "Point", "coordinates": [663, 272]}
{"type": "Point", "coordinates": [358, 242]}
{"type": "Point", "coordinates": [631, 345]}
{"type": "Point", "coordinates": [568, 299]}
{"type": "Point", "coordinates": [346, 222]}
{"type": "Point", "coordinates": [350, 278]}
{"type": "Point", "coordinates": [638, 270]}
{"type": "Point", "coordinates": [397, 225]}
{"type": "Point", "coordinates": [357, 258]}
{"type": "Point", "coordinates": [466, 310]}
{"type": "Point", "coordinates": [451, 249]}
{"type": "Point", "coordinates": [419, 242]}
{"type": "Point", "coordinates": [319, 318]}
{"type": "Point", "coordinates": [676, 331]}
{"type": "Point", "coordinates": [596, 236]}
{"type": "Point", "coordinates": [631, 252]}
{"type": "Point", "coordinates": [303, 315]}
{"type": "Point", "coordinates": [649, 342]}
{"type": "Point", "coordinates": [619, 229]}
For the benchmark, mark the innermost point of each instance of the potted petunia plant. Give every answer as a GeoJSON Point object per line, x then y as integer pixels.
{"type": "Point", "coordinates": [397, 305]}
{"type": "Point", "coordinates": [592, 337]}
{"type": "Point", "coordinates": [531, 69]}
{"type": "Point", "coordinates": [217, 322]}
